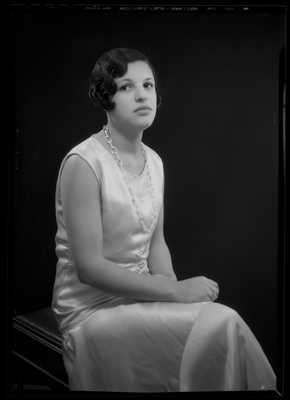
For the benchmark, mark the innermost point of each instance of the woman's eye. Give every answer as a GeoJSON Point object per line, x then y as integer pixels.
{"type": "Point", "coordinates": [148, 85]}
{"type": "Point", "coordinates": [125, 87]}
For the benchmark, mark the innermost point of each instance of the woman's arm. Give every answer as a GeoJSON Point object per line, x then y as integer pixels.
{"type": "Point", "coordinates": [80, 194]}
{"type": "Point", "coordinates": [81, 202]}
{"type": "Point", "coordinates": [159, 260]}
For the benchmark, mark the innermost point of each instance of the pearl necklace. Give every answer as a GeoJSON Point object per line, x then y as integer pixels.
{"type": "Point", "coordinates": [114, 151]}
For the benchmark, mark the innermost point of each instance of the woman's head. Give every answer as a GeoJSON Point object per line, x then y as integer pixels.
{"type": "Point", "coordinates": [111, 65]}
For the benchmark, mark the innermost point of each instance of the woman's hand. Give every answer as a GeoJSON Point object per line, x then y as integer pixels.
{"type": "Point", "coordinates": [196, 290]}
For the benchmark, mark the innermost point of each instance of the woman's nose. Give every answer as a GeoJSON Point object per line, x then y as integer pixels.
{"type": "Point", "coordinates": [141, 94]}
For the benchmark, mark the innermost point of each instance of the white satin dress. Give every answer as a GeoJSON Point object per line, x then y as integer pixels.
{"type": "Point", "coordinates": [114, 344]}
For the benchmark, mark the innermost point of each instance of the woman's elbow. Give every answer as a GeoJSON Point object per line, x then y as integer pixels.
{"type": "Point", "coordinates": [82, 274]}
{"type": "Point", "coordinates": [172, 277]}
{"type": "Point", "coordinates": [86, 272]}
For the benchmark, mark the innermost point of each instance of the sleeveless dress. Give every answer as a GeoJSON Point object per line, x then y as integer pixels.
{"type": "Point", "coordinates": [114, 344]}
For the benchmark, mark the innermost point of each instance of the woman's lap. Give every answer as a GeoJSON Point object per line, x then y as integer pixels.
{"type": "Point", "coordinates": [139, 346]}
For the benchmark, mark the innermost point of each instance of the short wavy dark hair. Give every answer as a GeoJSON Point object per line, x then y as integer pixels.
{"type": "Point", "coordinates": [114, 64]}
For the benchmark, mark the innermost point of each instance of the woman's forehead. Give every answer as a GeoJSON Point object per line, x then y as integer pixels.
{"type": "Point", "coordinates": [138, 70]}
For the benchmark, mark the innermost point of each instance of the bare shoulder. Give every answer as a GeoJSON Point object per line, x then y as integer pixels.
{"type": "Point", "coordinates": [77, 174]}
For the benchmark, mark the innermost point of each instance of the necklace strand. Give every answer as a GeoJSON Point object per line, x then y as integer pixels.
{"type": "Point", "coordinates": [114, 151]}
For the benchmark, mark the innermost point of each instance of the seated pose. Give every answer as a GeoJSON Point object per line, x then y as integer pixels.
{"type": "Point", "coordinates": [128, 324]}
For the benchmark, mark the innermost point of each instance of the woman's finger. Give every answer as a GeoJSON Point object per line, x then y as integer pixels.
{"type": "Point", "coordinates": [214, 288]}
{"type": "Point", "coordinates": [213, 295]}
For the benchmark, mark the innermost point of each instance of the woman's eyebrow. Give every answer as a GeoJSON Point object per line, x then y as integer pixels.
{"type": "Point", "coordinates": [130, 80]}
{"type": "Point", "coordinates": [125, 80]}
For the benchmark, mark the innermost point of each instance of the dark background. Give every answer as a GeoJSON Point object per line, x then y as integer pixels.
{"type": "Point", "coordinates": [217, 132]}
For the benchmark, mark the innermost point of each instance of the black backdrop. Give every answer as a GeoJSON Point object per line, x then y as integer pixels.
{"type": "Point", "coordinates": [217, 132]}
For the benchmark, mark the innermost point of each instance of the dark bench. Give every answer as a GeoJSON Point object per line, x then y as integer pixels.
{"type": "Point", "coordinates": [37, 350]}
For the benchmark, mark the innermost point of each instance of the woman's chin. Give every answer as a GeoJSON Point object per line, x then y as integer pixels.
{"type": "Point", "coordinates": [143, 123]}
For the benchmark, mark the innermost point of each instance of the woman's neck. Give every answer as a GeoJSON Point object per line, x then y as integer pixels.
{"type": "Point", "coordinates": [125, 140]}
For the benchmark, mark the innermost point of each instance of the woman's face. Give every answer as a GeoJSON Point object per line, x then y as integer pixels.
{"type": "Point", "coordinates": [135, 99]}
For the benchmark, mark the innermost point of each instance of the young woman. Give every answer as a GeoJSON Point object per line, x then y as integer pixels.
{"type": "Point", "coordinates": [128, 325]}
